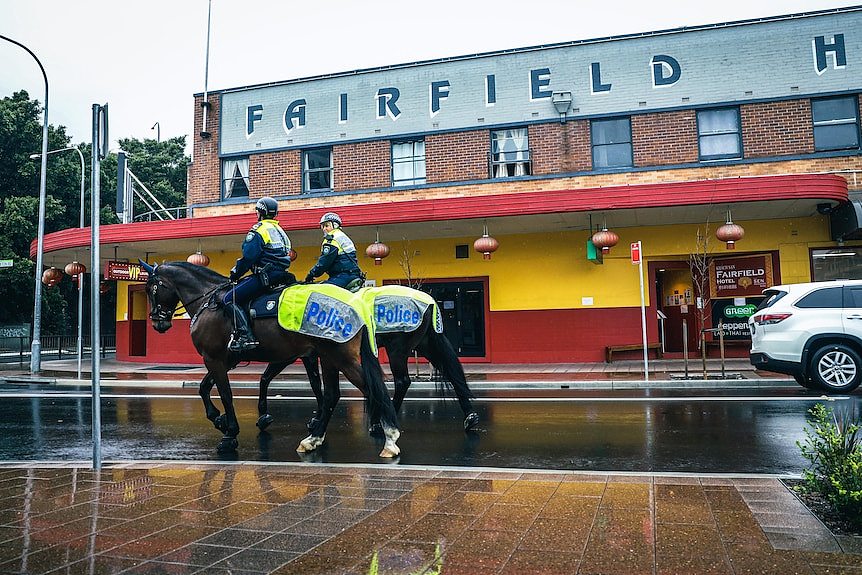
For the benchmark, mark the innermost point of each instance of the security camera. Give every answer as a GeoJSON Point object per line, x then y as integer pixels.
{"type": "Point", "coordinates": [824, 208]}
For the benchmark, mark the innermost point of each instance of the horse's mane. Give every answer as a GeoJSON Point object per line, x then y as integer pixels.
{"type": "Point", "coordinates": [208, 274]}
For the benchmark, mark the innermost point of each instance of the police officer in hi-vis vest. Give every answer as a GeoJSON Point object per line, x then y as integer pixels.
{"type": "Point", "coordinates": [265, 252]}
{"type": "Point", "coordinates": [337, 255]}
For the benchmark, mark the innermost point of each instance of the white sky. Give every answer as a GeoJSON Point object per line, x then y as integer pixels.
{"type": "Point", "coordinates": [146, 59]}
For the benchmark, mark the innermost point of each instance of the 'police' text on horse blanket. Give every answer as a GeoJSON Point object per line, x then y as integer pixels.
{"type": "Point", "coordinates": [398, 308]}
{"type": "Point", "coordinates": [324, 310]}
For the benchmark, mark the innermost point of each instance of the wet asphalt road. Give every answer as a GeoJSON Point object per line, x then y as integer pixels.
{"type": "Point", "coordinates": [700, 431]}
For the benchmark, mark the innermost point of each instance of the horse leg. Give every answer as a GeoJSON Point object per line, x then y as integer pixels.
{"type": "Point", "coordinates": [439, 351]}
{"type": "Point", "coordinates": [331, 396]}
{"type": "Point", "coordinates": [229, 442]}
{"type": "Point", "coordinates": [313, 373]}
{"type": "Point", "coordinates": [264, 419]}
{"type": "Point", "coordinates": [401, 374]}
{"type": "Point", "coordinates": [212, 412]}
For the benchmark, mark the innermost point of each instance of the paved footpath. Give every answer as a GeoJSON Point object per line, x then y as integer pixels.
{"type": "Point", "coordinates": [156, 517]}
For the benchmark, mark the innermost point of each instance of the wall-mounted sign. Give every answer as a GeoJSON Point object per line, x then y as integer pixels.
{"type": "Point", "coordinates": [125, 271]}
{"type": "Point", "coordinates": [740, 277]}
{"type": "Point", "coordinates": [734, 316]}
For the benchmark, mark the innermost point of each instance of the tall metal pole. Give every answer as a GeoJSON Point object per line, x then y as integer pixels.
{"type": "Point", "coordinates": [99, 145]}
{"type": "Point", "coordinates": [205, 105]}
{"type": "Point", "coordinates": [36, 346]}
{"type": "Point", "coordinates": [80, 276]}
{"type": "Point", "coordinates": [643, 311]}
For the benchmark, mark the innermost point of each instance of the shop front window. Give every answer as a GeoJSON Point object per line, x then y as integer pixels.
{"type": "Point", "coordinates": [836, 264]}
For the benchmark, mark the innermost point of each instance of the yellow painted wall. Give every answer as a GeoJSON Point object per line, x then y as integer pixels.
{"type": "Point", "coordinates": [550, 270]}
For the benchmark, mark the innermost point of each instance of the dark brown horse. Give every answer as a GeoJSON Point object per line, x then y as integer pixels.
{"type": "Point", "coordinates": [199, 289]}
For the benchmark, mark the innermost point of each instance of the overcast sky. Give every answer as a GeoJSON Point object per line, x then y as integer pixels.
{"type": "Point", "coordinates": [146, 59]}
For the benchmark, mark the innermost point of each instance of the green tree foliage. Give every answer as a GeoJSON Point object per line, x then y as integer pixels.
{"type": "Point", "coordinates": [161, 166]}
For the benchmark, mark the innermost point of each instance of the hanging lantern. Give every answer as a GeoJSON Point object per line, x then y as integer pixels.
{"type": "Point", "coordinates": [51, 276]}
{"type": "Point", "coordinates": [730, 232]}
{"type": "Point", "coordinates": [378, 250]}
{"type": "Point", "coordinates": [486, 245]}
{"type": "Point", "coordinates": [605, 240]}
{"type": "Point", "coordinates": [75, 269]}
{"type": "Point", "coordinates": [291, 253]}
{"type": "Point", "coordinates": [199, 259]}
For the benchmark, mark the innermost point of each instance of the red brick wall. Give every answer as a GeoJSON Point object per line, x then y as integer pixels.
{"type": "Point", "coordinates": [275, 173]}
{"type": "Point", "coordinates": [457, 156]}
{"type": "Point", "coordinates": [777, 128]}
{"type": "Point", "coordinates": [664, 138]}
{"type": "Point", "coordinates": [559, 148]}
{"type": "Point", "coordinates": [362, 166]}
{"type": "Point", "coordinates": [205, 169]}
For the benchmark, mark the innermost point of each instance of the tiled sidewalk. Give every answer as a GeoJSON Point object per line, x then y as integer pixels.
{"type": "Point", "coordinates": [309, 519]}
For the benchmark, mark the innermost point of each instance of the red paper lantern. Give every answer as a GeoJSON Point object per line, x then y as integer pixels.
{"type": "Point", "coordinates": [291, 253]}
{"type": "Point", "coordinates": [378, 250]}
{"type": "Point", "coordinates": [730, 233]}
{"type": "Point", "coordinates": [51, 276]}
{"type": "Point", "coordinates": [199, 259]}
{"type": "Point", "coordinates": [486, 245]}
{"type": "Point", "coordinates": [605, 240]}
{"type": "Point", "coordinates": [75, 269]}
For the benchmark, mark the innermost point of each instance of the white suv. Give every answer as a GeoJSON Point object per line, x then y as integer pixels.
{"type": "Point", "coordinates": [812, 331]}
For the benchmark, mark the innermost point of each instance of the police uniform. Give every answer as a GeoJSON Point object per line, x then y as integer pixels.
{"type": "Point", "coordinates": [338, 259]}
{"type": "Point", "coordinates": [265, 251]}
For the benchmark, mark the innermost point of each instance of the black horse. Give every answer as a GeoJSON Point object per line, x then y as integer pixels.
{"type": "Point", "coordinates": [199, 289]}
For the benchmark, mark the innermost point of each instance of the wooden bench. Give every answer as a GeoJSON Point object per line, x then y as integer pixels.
{"type": "Point", "coordinates": [609, 350]}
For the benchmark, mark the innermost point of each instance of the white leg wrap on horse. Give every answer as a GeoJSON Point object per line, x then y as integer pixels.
{"type": "Point", "coordinates": [310, 443]}
{"type": "Point", "coordinates": [390, 449]}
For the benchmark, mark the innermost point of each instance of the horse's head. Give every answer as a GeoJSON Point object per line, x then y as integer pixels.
{"type": "Point", "coordinates": [163, 298]}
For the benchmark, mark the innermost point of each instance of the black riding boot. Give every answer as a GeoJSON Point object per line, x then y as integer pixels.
{"type": "Point", "coordinates": [241, 340]}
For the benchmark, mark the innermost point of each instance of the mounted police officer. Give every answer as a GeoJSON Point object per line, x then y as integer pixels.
{"type": "Point", "coordinates": [265, 252]}
{"type": "Point", "coordinates": [337, 256]}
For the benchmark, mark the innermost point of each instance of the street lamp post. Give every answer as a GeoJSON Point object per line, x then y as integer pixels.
{"type": "Point", "coordinates": [158, 130]}
{"type": "Point", "coordinates": [36, 346]}
{"type": "Point", "coordinates": [80, 279]}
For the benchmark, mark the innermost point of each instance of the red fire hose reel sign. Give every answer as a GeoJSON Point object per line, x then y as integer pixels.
{"type": "Point", "coordinates": [636, 253]}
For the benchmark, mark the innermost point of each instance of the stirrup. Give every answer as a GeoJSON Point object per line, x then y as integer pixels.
{"type": "Point", "coordinates": [241, 344]}
{"type": "Point", "coordinates": [355, 285]}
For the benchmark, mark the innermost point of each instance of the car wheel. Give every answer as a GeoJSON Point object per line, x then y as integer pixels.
{"type": "Point", "coordinates": [805, 381]}
{"type": "Point", "coordinates": [836, 367]}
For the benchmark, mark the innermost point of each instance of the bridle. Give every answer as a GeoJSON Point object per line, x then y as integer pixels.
{"type": "Point", "coordinates": [163, 313]}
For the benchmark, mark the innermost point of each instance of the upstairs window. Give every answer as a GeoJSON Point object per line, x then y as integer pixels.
{"type": "Point", "coordinates": [408, 163]}
{"type": "Point", "coordinates": [612, 143]}
{"type": "Point", "coordinates": [317, 170]}
{"type": "Point", "coordinates": [235, 181]}
{"type": "Point", "coordinates": [718, 134]}
{"type": "Point", "coordinates": [510, 153]}
{"type": "Point", "coordinates": [836, 123]}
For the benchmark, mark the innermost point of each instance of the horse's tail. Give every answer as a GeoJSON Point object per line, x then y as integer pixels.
{"type": "Point", "coordinates": [442, 356]}
{"type": "Point", "coordinates": [375, 387]}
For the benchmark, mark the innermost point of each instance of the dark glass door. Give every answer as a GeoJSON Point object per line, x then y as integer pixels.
{"type": "Point", "coordinates": [463, 307]}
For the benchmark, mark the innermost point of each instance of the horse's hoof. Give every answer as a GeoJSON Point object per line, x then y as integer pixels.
{"type": "Point", "coordinates": [220, 423]}
{"type": "Point", "coordinates": [390, 451]}
{"type": "Point", "coordinates": [310, 443]}
{"type": "Point", "coordinates": [376, 430]}
{"type": "Point", "coordinates": [264, 421]}
{"type": "Point", "coordinates": [227, 445]}
{"type": "Point", "coordinates": [312, 423]}
{"type": "Point", "coordinates": [471, 421]}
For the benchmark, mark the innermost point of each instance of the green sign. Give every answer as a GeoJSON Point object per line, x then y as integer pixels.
{"type": "Point", "coordinates": [5, 263]}
{"type": "Point", "coordinates": [594, 254]}
{"type": "Point", "coordinates": [745, 311]}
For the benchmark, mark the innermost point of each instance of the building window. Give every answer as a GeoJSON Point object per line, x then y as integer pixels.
{"type": "Point", "coordinates": [408, 163]}
{"type": "Point", "coordinates": [836, 123]}
{"type": "Point", "coordinates": [612, 143]}
{"type": "Point", "coordinates": [317, 170]}
{"type": "Point", "coordinates": [510, 153]}
{"type": "Point", "coordinates": [836, 263]}
{"type": "Point", "coordinates": [235, 182]}
{"type": "Point", "coordinates": [718, 134]}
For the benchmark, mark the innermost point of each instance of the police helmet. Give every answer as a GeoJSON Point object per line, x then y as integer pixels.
{"type": "Point", "coordinates": [331, 217]}
{"type": "Point", "coordinates": [266, 207]}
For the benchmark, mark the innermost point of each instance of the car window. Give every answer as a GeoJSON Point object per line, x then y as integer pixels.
{"type": "Point", "coordinates": [772, 296]}
{"type": "Point", "coordinates": [822, 298]}
{"type": "Point", "coordinates": [854, 297]}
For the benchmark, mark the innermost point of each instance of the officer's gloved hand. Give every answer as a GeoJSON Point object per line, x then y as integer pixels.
{"type": "Point", "coordinates": [234, 277]}
{"type": "Point", "coordinates": [309, 279]}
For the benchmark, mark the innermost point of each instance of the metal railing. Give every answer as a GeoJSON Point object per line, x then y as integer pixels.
{"type": "Point", "coordinates": [53, 346]}
{"type": "Point", "coordinates": [177, 213]}
{"type": "Point", "coordinates": [510, 164]}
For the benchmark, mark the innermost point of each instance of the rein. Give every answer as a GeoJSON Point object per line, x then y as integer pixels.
{"type": "Point", "coordinates": [159, 314]}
